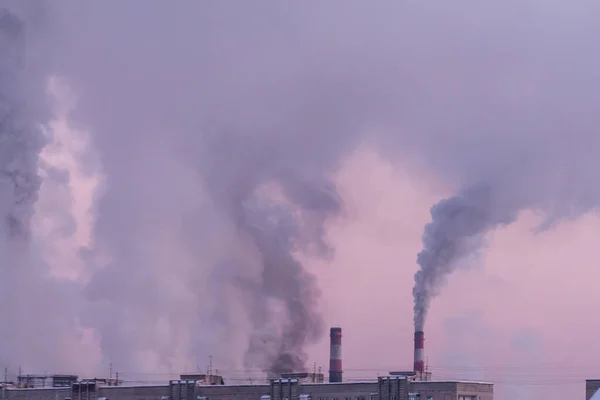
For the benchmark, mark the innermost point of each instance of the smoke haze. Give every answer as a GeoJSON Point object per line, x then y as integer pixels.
{"type": "Point", "coordinates": [32, 299]}
{"type": "Point", "coordinates": [220, 130]}
{"type": "Point", "coordinates": [22, 137]}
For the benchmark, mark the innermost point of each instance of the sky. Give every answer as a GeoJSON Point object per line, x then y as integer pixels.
{"type": "Point", "coordinates": [169, 120]}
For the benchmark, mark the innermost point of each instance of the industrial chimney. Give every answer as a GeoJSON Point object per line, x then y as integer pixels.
{"type": "Point", "coordinates": [419, 353]}
{"type": "Point", "coordinates": [335, 355]}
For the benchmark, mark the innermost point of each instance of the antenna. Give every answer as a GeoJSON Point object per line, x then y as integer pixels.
{"type": "Point", "coordinates": [209, 365]}
{"type": "Point", "coordinates": [110, 371]}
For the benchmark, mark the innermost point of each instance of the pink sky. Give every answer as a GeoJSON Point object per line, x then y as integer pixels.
{"type": "Point", "coordinates": [519, 317]}
{"type": "Point", "coordinates": [524, 315]}
{"type": "Point", "coordinates": [456, 87]}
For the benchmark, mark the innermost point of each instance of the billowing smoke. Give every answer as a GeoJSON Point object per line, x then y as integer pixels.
{"type": "Point", "coordinates": [201, 238]}
{"type": "Point", "coordinates": [279, 211]}
{"type": "Point", "coordinates": [277, 232]}
{"type": "Point", "coordinates": [526, 148]}
{"type": "Point", "coordinates": [20, 132]}
{"type": "Point", "coordinates": [457, 232]}
{"type": "Point", "coordinates": [32, 302]}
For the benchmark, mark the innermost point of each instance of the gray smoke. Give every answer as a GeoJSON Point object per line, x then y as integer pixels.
{"type": "Point", "coordinates": [32, 303]}
{"type": "Point", "coordinates": [277, 227]}
{"type": "Point", "coordinates": [277, 235]}
{"type": "Point", "coordinates": [496, 101]}
{"type": "Point", "coordinates": [21, 138]}
{"type": "Point", "coordinates": [457, 231]}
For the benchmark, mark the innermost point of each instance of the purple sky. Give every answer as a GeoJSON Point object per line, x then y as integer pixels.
{"type": "Point", "coordinates": [171, 117]}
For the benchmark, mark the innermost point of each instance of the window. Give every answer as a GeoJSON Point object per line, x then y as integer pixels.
{"type": "Point", "coordinates": [429, 397]}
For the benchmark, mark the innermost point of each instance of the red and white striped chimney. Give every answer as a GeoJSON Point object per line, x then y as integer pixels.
{"type": "Point", "coordinates": [419, 352]}
{"type": "Point", "coordinates": [335, 355]}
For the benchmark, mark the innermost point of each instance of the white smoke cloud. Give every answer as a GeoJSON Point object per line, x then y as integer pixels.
{"type": "Point", "coordinates": [65, 213]}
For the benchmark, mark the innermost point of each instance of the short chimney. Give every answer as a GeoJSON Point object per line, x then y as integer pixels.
{"type": "Point", "coordinates": [335, 355]}
{"type": "Point", "coordinates": [419, 366]}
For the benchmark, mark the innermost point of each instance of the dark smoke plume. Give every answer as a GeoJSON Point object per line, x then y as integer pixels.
{"type": "Point", "coordinates": [21, 137]}
{"type": "Point", "coordinates": [276, 226]}
{"type": "Point", "coordinates": [458, 92]}
{"type": "Point", "coordinates": [456, 232]}
{"type": "Point", "coordinates": [276, 236]}
{"type": "Point", "coordinates": [33, 334]}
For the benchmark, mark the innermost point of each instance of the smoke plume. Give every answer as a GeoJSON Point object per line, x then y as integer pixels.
{"type": "Point", "coordinates": [31, 300]}
{"type": "Point", "coordinates": [201, 234]}
{"type": "Point", "coordinates": [277, 234]}
{"type": "Point", "coordinates": [456, 232]}
{"type": "Point", "coordinates": [20, 132]}
{"type": "Point", "coordinates": [278, 211]}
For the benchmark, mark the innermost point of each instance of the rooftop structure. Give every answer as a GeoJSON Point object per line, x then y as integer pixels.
{"type": "Point", "coordinates": [392, 387]}
{"type": "Point", "coordinates": [413, 375]}
{"type": "Point", "coordinates": [415, 384]}
{"type": "Point", "coordinates": [305, 377]}
{"type": "Point", "coordinates": [204, 379]}
{"type": "Point", "coordinates": [592, 388]}
{"type": "Point", "coordinates": [38, 381]}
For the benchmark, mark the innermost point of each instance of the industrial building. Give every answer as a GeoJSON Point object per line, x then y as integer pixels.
{"type": "Point", "coordinates": [383, 388]}
{"type": "Point", "coordinates": [38, 381]}
{"type": "Point", "coordinates": [407, 385]}
{"type": "Point", "coordinates": [592, 388]}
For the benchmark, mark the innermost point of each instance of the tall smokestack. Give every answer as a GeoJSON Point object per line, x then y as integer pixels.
{"type": "Point", "coordinates": [419, 352]}
{"type": "Point", "coordinates": [335, 355]}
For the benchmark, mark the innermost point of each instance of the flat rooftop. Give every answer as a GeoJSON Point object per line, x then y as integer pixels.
{"type": "Point", "coordinates": [452, 381]}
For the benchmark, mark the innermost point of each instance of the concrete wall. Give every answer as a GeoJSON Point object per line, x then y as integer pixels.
{"type": "Point", "coordinates": [393, 388]}
{"type": "Point", "coordinates": [331, 391]}
{"type": "Point", "coordinates": [110, 392]}
{"type": "Point", "coordinates": [452, 390]}
{"type": "Point", "coordinates": [341, 391]}
{"type": "Point", "coordinates": [591, 386]}
{"type": "Point", "coordinates": [436, 390]}
{"type": "Point", "coordinates": [133, 392]}
{"type": "Point", "coordinates": [36, 394]}
{"type": "Point", "coordinates": [238, 392]}
{"type": "Point", "coordinates": [485, 391]}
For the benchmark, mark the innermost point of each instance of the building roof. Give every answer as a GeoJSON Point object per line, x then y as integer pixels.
{"type": "Point", "coordinates": [451, 381]}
